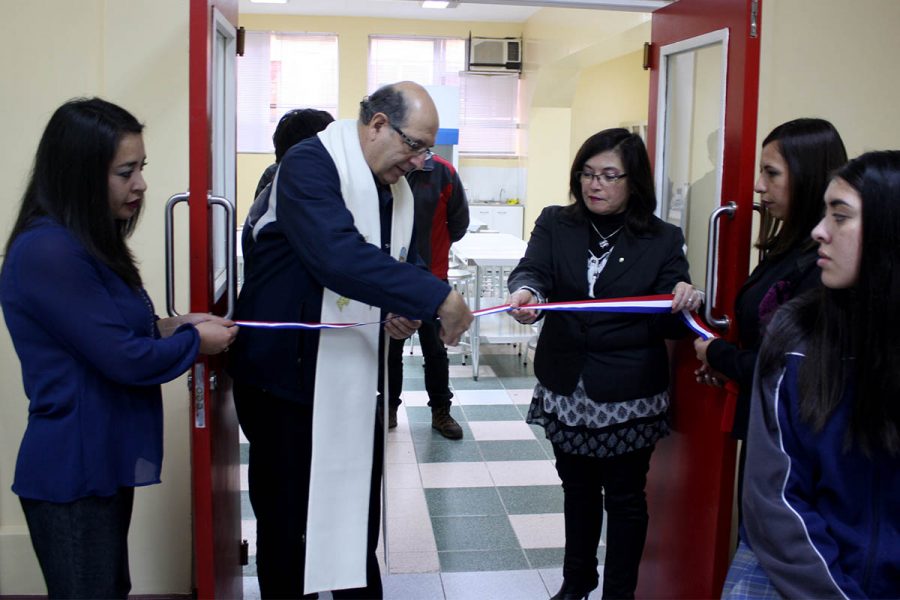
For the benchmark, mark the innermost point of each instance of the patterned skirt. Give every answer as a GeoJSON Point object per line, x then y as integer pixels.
{"type": "Point", "coordinates": [581, 426]}
{"type": "Point", "coordinates": [746, 578]}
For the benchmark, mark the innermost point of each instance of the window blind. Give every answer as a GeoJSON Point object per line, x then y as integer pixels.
{"type": "Point", "coordinates": [489, 122]}
{"type": "Point", "coordinates": [280, 72]}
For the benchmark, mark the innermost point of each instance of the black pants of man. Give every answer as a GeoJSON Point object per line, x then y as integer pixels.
{"type": "Point", "coordinates": [82, 546]}
{"type": "Point", "coordinates": [585, 481]}
{"type": "Point", "coordinates": [436, 363]}
{"type": "Point", "coordinates": [280, 436]}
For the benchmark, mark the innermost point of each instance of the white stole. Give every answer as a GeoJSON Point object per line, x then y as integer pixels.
{"type": "Point", "coordinates": [346, 384]}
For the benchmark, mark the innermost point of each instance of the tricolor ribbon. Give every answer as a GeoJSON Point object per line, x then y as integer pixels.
{"type": "Point", "coordinates": [281, 325]}
{"type": "Point", "coordinates": [637, 304]}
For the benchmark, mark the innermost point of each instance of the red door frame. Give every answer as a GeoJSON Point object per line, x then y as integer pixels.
{"type": "Point", "coordinates": [214, 444]}
{"type": "Point", "coordinates": [691, 479]}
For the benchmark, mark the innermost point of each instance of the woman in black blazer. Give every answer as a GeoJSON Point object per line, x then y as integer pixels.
{"type": "Point", "coordinates": [795, 165]}
{"type": "Point", "coordinates": [603, 377]}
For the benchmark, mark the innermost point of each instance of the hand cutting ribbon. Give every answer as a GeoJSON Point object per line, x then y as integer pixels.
{"type": "Point", "coordinates": [637, 304]}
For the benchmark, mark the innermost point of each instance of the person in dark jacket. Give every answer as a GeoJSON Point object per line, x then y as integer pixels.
{"type": "Point", "coordinates": [93, 352]}
{"type": "Point", "coordinates": [822, 483]}
{"type": "Point", "coordinates": [602, 392]}
{"type": "Point", "coordinates": [442, 217]}
{"type": "Point", "coordinates": [293, 127]}
{"type": "Point", "coordinates": [797, 159]}
{"type": "Point", "coordinates": [334, 246]}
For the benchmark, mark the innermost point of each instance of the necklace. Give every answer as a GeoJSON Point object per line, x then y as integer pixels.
{"type": "Point", "coordinates": [604, 238]}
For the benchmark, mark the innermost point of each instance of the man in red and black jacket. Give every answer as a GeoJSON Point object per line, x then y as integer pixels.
{"type": "Point", "coordinates": [442, 217]}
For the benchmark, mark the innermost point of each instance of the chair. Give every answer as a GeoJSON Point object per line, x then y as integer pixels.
{"type": "Point", "coordinates": [463, 281]}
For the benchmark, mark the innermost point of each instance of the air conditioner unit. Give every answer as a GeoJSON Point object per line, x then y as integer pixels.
{"type": "Point", "coordinates": [495, 54]}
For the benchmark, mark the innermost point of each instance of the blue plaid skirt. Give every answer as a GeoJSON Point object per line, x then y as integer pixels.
{"type": "Point", "coordinates": [746, 579]}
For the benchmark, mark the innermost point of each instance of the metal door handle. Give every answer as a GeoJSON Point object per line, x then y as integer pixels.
{"type": "Point", "coordinates": [170, 251]}
{"type": "Point", "coordinates": [230, 233]}
{"type": "Point", "coordinates": [712, 260]}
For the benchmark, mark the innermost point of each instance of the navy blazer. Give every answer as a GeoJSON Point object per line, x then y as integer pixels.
{"type": "Point", "coordinates": [620, 356]}
{"type": "Point", "coordinates": [313, 244]}
{"type": "Point", "coordinates": [92, 363]}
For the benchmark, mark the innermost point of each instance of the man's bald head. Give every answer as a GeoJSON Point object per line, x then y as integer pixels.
{"type": "Point", "coordinates": [397, 124]}
{"type": "Point", "coordinates": [398, 101]}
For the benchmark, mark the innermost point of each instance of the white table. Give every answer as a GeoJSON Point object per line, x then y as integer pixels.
{"type": "Point", "coordinates": [483, 250]}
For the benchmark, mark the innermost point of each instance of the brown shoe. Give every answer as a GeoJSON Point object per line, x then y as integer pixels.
{"type": "Point", "coordinates": [392, 416]}
{"type": "Point", "coordinates": [445, 424]}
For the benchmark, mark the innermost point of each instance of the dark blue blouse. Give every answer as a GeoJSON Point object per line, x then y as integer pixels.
{"type": "Point", "coordinates": [92, 364]}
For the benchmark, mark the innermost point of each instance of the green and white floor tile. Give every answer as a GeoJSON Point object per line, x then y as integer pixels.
{"type": "Point", "coordinates": [479, 518]}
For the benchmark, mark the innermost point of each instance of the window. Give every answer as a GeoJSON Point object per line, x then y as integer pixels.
{"type": "Point", "coordinates": [488, 111]}
{"type": "Point", "coordinates": [489, 122]}
{"type": "Point", "coordinates": [280, 72]}
{"type": "Point", "coordinates": [428, 61]}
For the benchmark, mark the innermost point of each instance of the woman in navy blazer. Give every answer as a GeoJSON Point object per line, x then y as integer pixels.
{"type": "Point", "coordinates": [603, 377]}
{"type": "Point", "coordinates": [93, 352]}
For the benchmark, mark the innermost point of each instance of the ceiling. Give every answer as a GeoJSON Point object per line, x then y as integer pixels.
{"type": "Point", "coordinates": [508, 11]}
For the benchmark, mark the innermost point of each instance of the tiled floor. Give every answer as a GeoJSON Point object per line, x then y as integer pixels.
{"type": "Point", "coordinates": [479, 518]}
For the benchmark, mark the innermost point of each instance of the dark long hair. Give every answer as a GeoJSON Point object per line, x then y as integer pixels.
{"type": "Point", "coordinates": [633, 154]}
{"type": "Point", "coordinates": [813, 150]}
{"type": "Point", "coordinates": [70, 181]}
{"type": "Point", "coordinates": [852, 333]}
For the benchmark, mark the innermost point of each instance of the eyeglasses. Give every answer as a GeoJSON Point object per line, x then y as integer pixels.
{"type": "Point", "coordinates": [416, 146]}
{"type": "Point", "coordinates": [601, 177]}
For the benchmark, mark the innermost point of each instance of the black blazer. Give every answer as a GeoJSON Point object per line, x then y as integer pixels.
{"type": "Point", "coordinates": [620, 356]}
{"type": "Point", "coordinates": [772, 283]}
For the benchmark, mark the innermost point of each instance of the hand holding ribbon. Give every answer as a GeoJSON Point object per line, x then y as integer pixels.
{"type": "Point", "coordinates": [522, 297]}
{"type": "Point", "coordinates": [400, 328]}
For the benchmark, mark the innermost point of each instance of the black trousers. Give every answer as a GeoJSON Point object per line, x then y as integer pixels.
{"type": "Point", "coordinates": [618, 483]}
{"type": "Point", "coordinates": [280, 436]}
{"type": "Point", "coordinates": [82, 546]}
{"type": "Point", "coordinates": [436, 364]}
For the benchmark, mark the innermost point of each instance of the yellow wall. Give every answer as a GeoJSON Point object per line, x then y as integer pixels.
{"type": "Point", "coordinates": [561, 43]}
{"type": "Point", "coordinates": [353, 52]}
{"type": "Point", "coordinates": [584, 64]}
{"type": "Point", "coordinates": [582, 74]}
{"type": "Point", "coordinates": [548, 167]}
{"type": "Point", "coordinates": [353, 42]}
{"type": "Point", "coordinates": [836, 60]}
{"type": "Point", "coordinates": [608, 95]}
{"type": "Point", "coordinates": [133, 53]}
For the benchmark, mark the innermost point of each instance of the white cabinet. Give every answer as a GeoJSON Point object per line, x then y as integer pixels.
{"type": "Point", "coordinates": [505, 218]}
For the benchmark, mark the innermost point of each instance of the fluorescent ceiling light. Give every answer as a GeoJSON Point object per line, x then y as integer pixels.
{"type": "Point", "coordinates": [438, 4]}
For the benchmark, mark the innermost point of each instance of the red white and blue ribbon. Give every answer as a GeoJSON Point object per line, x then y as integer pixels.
{"type": "Point", "coordinates": [697, 326]}
{"type": "Point", "coordinates": [636, 304]}
{"type": "Point", "coordinates": [286, 325]}
{"type": "Point", "coordinates": [659, 304]}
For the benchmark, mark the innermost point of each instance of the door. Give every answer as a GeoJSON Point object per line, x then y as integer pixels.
{"type": "Point", "coordinates": [702, 134]}
{"type": "Point", "coordinates": [214, 429]}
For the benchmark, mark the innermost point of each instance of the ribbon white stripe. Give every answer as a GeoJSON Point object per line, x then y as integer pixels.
{"type": "Point", "coordinates": [646, 304]}
{"type": "Point", "coordinates": [288, 325]}
{"type": "Point", "coordinates": [695, 326]}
